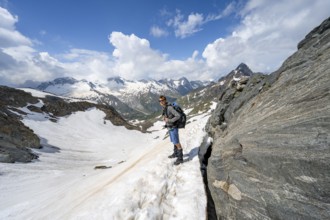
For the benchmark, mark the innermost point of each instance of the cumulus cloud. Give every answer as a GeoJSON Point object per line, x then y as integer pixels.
{"type": "Point", "coordinates": [135, 59]}
{"type": "Point", "coordinates": [133, 55]}
{"type": "Point", "coordinates": [268, 33]}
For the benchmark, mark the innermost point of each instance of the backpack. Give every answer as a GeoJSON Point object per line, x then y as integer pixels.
{"type": "Point", "coordinates": [181, 122]}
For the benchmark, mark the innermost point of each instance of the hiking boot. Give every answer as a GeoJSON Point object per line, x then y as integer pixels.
{"type": "Point", "coordinates": [175, 153]}
{"type": "Point", "coordinates": [173, 156]}
{"type": "Point", "coordinates": [180, 158]}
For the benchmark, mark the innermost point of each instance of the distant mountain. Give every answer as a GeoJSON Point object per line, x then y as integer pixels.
{"type": "Point", "coordinates": [240, 71]}
{"type": "Point", "coordinates": [183, 85]}
{"type": "Point", "coordinates": [58, 81]}
{"type": "Point", "coordinates": [131, 98]}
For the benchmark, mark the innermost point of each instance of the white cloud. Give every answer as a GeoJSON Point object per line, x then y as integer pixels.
{"type": "Point", "coordinates": [186, 28]}
{"type": "Point", "coordinates": [17, 62]}
{"type": "Point", "coordinates": [226, 12]}
{"type": "Point", "coordinates": [194, 22]}
{"type": "Point", "coordinates": [158, 32]}
{"type": "Point", "coordinates": [135, 59]}
{"type": "Point", "coordinates": [7, 20]}
{"type": "Point", "coordinates": [9, 37]}
{"type": "Point", "coordinates": [133, 55]}
{"type": "Point", "coordinates": [85, 64]}
{"type": "Point", "coordinates": [268, 34]}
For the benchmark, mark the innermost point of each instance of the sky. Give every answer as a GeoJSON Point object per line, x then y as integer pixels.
{"type": "Point", "coordinates": [146, 39]}
{"type": "Point", "coordinates": [142, 182]}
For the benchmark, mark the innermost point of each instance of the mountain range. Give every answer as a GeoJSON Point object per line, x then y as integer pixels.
{"type": "Point", "coordinates": [139, 99]}
{"type": "Point", "coordinates": [132, 99]}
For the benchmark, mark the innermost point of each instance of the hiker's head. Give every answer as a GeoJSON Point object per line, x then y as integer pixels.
{"type": "Point", "coordinates": [162, 100]}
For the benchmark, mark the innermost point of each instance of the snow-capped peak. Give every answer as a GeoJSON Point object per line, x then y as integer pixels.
{"type": "Point", "coordinates": [117, 80]}
{"type": "Point", "coordinates": [117, 91]}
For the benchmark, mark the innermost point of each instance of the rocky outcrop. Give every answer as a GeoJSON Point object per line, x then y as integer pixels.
{"type": "Point", "coordinates": [16, 139]}
{"type": "Point", "coordinates": [271, 147]}
{"type": "Point", "coordinates": [200, 99]}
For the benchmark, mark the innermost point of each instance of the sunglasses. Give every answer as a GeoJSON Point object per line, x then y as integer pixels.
{"type": "Point", "coordinates": [162, 100]}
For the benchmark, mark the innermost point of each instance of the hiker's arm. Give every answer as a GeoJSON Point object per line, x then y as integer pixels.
{"type": "Point", "coordinates": [175, 113]}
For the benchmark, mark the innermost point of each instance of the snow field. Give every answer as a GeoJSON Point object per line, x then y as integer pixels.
{"type": "Point", "coordinates": [142, 182]}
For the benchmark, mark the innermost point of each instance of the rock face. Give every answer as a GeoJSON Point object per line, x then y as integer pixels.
{"type": "Point", "coordinates": [16, 139]}
{"type": "Point", "coordinates": [271, 147]}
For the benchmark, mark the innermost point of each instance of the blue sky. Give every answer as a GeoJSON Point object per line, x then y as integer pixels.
{"type": "Point", "coordinates": [64, 24]}
{"type": "Point", "coordinates": [135, 39]}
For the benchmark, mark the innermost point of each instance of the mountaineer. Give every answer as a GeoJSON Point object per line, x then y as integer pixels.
{"type": "Point", "coordinates": [171, 117]}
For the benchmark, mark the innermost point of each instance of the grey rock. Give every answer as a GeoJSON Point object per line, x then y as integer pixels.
{"type": "Point", "coordinates": [102, 167]}
{"type": "Point", "coordinates": [5, 158]}
{"type": "Point", "coordinates": [10, 153]}
{"type": "Point", "coordinates": [271, 161]}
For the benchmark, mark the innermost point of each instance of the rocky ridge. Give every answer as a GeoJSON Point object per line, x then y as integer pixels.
{"type": "Point", "coordinates": [201, 99]}
{"type": "Point", "coordinates": [271, 147]}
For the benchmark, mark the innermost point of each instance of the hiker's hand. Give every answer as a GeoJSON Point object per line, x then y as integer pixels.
{"type": "Point", "coordinates": [166, 119]}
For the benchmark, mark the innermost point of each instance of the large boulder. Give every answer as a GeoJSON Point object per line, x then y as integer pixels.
{"type": "Point", "coordinates": [271, 147]}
